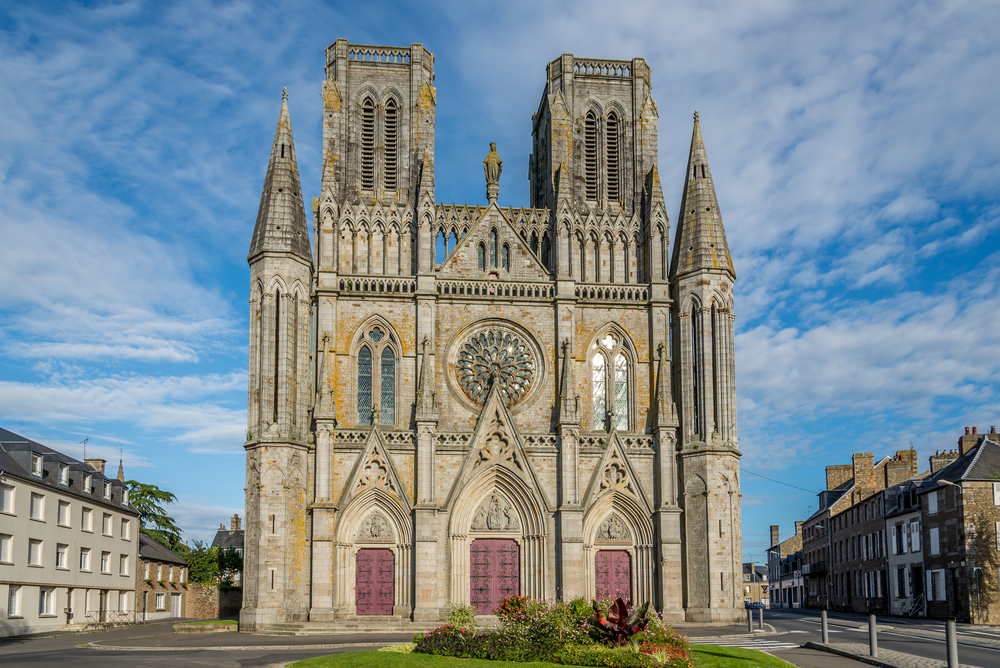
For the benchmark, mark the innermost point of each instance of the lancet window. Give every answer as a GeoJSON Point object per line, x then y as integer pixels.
{"type": "Point", "coordinates": [613, 157]}
{"type": "Point", "coordinates": [610, 383]}
{"type": "Point", "coordinates": [390, 138]}
{"type": "Point", "coordinates": [590, 155]}
{"type": "Point", "coordinates": [368, 144]}
{"type": "Point", "coordinates": [376, 376]}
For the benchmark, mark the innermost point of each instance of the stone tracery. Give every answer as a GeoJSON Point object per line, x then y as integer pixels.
{"type": "Point", "coordinates": [495, 356]}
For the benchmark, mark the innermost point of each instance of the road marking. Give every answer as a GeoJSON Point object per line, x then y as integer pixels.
{"type": "Point", "coordinates": [746, 643]}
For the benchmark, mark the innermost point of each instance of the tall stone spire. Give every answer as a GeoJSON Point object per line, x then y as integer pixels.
{"type": "Point", "coordinates": [700, 243]}
{"type": "Point", "coordinates": [281, 219]}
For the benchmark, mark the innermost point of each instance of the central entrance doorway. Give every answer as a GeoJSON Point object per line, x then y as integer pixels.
{"type": "Point", "coordinates": [613, 571]}
{"type": "Point", "coordinates": [495, 572]}
{"type": "Point", "coordinates": [375, 582]}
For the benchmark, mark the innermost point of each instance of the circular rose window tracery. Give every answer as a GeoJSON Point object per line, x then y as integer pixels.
{"type": "Point", "coordinates": [495, 356]}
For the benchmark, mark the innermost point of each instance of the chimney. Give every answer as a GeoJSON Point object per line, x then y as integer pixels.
{"type": "Point", "coordinates": [838, 475]}
{"type": "Point", "coordinates": [774, 535]}
{"type": "Point", "coordinates": [968, 441]}
{"type": "Point", "coordinates": [975, 430]}
{"type": "Point", "coordinates": [798, 527]}
{"type": "Point", "coordinates": [222, 527]}
{"type": "Point", "coordinates": [234, 525]}
{"type": "Point", "coordinates": [96, 464]}
{"type": "Point", "coordinates": [941, 459]}
{"type": "Point", "coordinates": [864, 473]}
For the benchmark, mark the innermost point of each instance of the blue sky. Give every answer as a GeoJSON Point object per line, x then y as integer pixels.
{"type": "Point", "coordinates": [854, 146]}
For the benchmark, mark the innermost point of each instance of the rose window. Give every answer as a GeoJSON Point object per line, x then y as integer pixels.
{"type": "Point", "coordinates": [495, 356]}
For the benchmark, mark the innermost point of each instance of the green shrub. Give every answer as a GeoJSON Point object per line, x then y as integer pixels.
{"type": "Point", "coordinates": [601, 655]}
{"type": "Point", "coordinates": [544, 621]}
{"type": "Point", "coordinates": [463, 617]}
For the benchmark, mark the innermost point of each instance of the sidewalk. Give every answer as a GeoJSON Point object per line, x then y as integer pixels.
{"type": "Point", "coordinates": [886, 658]}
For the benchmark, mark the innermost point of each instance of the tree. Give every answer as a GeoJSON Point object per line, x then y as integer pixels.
{"type": "Point", "coordinates": [230, 563]}
{"type": "Point", "coordinates": [153, 519]}
{"type": "Point", "coordinates": [203, 561]}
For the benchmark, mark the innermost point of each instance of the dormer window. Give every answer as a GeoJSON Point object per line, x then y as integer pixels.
{"type": "Point", "coordinates": [36, 465]}
{"type": "Point", "coordinates": [63, 474]}
{"type": "Point", "coordinates": [107, 489]}
{"type": "Point", "coordinates": [86, 483]}
{"type": "Point", "coordinates": [125, 496]}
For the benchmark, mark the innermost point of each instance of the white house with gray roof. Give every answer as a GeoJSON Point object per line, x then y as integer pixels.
{"type": "Point", "coordinates": [68, 540]}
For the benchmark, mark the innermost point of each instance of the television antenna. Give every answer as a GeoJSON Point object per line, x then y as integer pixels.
{"type": "Point", "coordinates": [84, 443]}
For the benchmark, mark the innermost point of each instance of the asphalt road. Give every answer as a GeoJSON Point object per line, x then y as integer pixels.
{"type": "Point", "coordinates": [801, 626]}
{"type": "Point", "coordinates": [73, 651]}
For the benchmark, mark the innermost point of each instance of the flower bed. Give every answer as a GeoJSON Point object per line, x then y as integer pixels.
{"type": "Point", "coordinates": [610, 634]}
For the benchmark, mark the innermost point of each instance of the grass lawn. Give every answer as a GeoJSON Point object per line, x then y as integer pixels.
{"type": "Point", "coordinates": [713, 656]}
{"type": "Point", "coordinates": [705, 656]}
{"type": "Point", "coordinates": [217, 621]}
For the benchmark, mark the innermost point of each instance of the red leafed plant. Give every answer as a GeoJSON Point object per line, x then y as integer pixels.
{"type": "Point", "coordinates": [619, 626]}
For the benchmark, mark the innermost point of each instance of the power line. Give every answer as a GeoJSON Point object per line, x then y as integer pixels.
{"type": "Point", "coordinates": [777, 481]}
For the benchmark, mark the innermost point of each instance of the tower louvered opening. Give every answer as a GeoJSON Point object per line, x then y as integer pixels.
{"type": "Point", "coordinates": [391, 144]}
{"type": "Point", "coordinates": [590, 154]}
{"type": "Point", "coordinates": [368, 145]}
{"type": "Point", "coordinates": [613, 159]}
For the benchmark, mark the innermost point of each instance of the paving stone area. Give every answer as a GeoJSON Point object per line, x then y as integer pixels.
{"type": "Point", "coordinates": [886, 658]}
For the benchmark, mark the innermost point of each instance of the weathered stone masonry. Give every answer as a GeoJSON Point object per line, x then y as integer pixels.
{"type": "Point", "coordinates": [428, 430]}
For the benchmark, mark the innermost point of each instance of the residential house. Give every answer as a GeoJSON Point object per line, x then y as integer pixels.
{"type": "Point", "coordinates": [960, 533]}
{"type": "Point", "coordinates": [161, 588]}
{"type": "Point", "coordinates": [231, 538]}
{"type": "Point", "coordinates": [784, 569]}
{"type": "Point", "coordinates": [67, 540]}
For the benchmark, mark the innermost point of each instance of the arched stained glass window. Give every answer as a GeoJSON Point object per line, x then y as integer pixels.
{"type": "Point", "coordinates": [365, 386]}
{"type": "Point", "coordinates": [387, 402]}
{"type": "Point", "coordinates": [621, 393]}
{"type": "Point", "coordinates": [493, 248]}
{"type": "Point", "coordinates": [505, 257]}
{"type": "Point", "coordinates": [481, 256]}
{"type": "Point", "coordinates": [610, 382]}
{"type": "Point", "coordinates": [600, 393]}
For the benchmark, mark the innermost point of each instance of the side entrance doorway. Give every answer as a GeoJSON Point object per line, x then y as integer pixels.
{"type": "Point", "coordinates": [495, 572]}
{"type": "Point", "coordinates": [613, 575]}
{"type": "Point", "coordinates": [375, 582]}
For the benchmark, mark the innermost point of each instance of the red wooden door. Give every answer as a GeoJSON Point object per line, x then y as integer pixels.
{"type": "Point", "coordinates": [374, 584]}
{"type": "Point", "coordinates": [613, 571]}
{"type": "Point", "coordinates": [495, 572]}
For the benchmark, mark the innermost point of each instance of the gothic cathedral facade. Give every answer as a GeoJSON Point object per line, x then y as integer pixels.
{"type": "Point", "coordinates": [449, 404]}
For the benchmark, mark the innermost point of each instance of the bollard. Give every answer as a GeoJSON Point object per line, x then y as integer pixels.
{"type": "Point", "coordinates": [749, 620]}
{"type": "Point", "coordinates": [952, 644]}
{"type": "Point", "coordinates": [825, 629]}
{"type": "Point", "coordinates": [872, 636]}
{"type": "Point", "coordinates": [760, 617]}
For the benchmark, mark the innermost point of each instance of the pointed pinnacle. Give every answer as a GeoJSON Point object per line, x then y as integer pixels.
{"type": "Point", "coordinates": [284, 97]}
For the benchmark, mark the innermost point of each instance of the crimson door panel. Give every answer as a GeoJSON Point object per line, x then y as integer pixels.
{"type": "Point", "coordinates": [375, 581]}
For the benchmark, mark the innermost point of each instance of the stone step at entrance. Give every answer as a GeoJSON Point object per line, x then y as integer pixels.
{"type": "Point", "coordinates": [349, 626]}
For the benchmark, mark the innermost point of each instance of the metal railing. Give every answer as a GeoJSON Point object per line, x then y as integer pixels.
{"type": "Point", "coordinates": [112, 617]}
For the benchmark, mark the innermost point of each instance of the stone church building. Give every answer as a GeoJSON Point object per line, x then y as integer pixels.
{"type": "Point", "coordinates": [449, 404]}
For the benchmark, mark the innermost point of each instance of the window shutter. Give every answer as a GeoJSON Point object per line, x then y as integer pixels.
{"type": "Point", "coordinates": [998, 535]}
{"type": "Point", "coordinates": [930, 585]}
{"type": "Point", "coordinates": [942, 593]}
{"type": "Point", "coordinates": [935, 541]}
{"type": "Point", "coordinates": [907, 539]}
{"type": "Point", "coordinates": [996, 494]}
{"type": "Point", "coordinates": [907, 587]}
{"type": "Point", "coordinates": [932, 502]}
{"type": "Point", "coordinates": [915, 536]}
{"type": "Point", "coordinates": [894, 541]}
{"type": "Point", "coordinates": [895, 586]}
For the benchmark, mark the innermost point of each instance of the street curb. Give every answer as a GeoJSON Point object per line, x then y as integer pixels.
{"type": "Point", "coordinates": [235, 648]}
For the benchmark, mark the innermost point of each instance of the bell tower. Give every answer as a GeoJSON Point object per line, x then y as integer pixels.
{"type": "Point", "coordinates": [702, 278]}
{"type": "Point", "coordinates": [279, 394]}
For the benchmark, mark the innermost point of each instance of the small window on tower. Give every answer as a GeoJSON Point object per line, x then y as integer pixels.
{"type": "Point", "coordinates": [481, 256]}
{"type": "Point", "coordinates": [613, 158]}
{"type": "Point", "coordinates": [505, 257]}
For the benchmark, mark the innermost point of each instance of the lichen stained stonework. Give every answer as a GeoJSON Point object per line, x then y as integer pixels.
{"type": "Point", "coordinates": [495, 354]}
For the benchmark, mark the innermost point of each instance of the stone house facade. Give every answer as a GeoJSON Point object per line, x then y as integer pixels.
{"type": "Point", "coordinates": [960, 504]}
{"type": "Point", "coordinates": [905, 556]}
{"type": "Point", "coordinates": [452, 403]}
{"type": "Point", "coordinates": [784, 569]}
{"type": "Point", "coordinates": [161, 589]}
